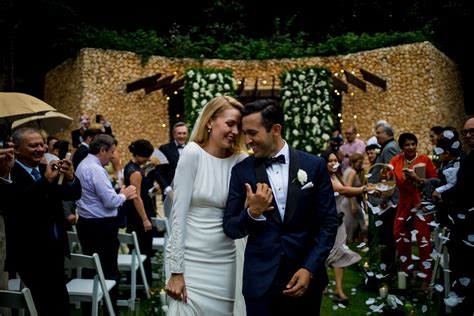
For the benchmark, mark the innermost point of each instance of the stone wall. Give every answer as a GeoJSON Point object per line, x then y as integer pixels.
{"type": "Point", "coordinates": [423, 89]}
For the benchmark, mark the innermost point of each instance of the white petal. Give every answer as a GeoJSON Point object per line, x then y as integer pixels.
{"type": "Point", "coordinates": [424, 308]}
{"type": "Point", "coordinates": [370, 301]}
{"type": "Point", "coordinates": [403, 258]}
{"type": "Point", "coordinates": [439, 287]}
{"type": "Point", "coordinates": [465, 281]}
{"type": "Point", "coordinates": [378, 223]}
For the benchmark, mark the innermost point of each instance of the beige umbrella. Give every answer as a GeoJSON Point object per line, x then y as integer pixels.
{"type": "Point", "coordinates": [51, 122]}
{"type": "Point", "coordinates": [15, 105]}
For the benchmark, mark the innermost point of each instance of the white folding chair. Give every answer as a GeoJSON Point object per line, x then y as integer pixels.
{"type": "Point", "coordinates": [21, 300]}
{"type": "Point", "coordinates": [160, 243]}
{"type": "Point", "coordinates": [131, 262]}
{"type": "Point", "coordinates": [74, 243]}
{"type": "Point", "coordinates": [89, 290]}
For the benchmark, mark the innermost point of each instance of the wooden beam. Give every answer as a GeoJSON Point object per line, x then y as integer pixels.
{"type": "Point", "coordinates": [376, 80]}
{"type": "Point", "coordinates": [159, 84]}
{"type": "Point", "coordinates": [355, 81]}
{"type": "Point", "coordinates": [142, 83]}
{"type": "Point", "coordinates": [173, 86]}
{"type": "Point", "coordinates": [339, 84]}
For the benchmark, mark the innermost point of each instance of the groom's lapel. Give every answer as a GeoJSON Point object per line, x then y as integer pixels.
{"type": "Point", "coordinates": [262, 177]}
{"type": "Point", "coordinates": [294, 186]}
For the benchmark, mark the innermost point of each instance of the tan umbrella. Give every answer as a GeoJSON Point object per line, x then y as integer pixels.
{"type": "Point", "coordinates": [51, 122]}
{"type": "Point", "coordinates": [15, 105]}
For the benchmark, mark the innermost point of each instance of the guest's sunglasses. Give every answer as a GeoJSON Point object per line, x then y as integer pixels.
{"type": "Point", "coordinates": [470, 131]}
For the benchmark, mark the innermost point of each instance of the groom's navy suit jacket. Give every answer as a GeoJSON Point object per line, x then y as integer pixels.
{"type": "Point", "coordinates": [303, 239]}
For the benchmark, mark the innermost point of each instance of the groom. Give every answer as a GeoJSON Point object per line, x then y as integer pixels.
{"type": "Point", "coordinates": [283, 200]}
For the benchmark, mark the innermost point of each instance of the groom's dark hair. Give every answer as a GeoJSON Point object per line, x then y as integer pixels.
{"type": "Point", "coordinates": [271, 112]}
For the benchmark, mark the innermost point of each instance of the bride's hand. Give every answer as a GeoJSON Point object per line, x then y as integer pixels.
{"type": "Point", "coordinates": [176, 287]}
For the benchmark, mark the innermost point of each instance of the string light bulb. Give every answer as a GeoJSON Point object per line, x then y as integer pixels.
{"type": "Point", "coordinates": [339, 115]}
{"type": "Point", "coordinates": [264, 81]}
{"type": "Point", "coordinates": [176, 92]}
{"type": "Point", "coordinates": [175, 73]}
{"type": "Point", "coordinates": [163, 125]}
{"type": "Point", "coordinates": [177, 115]}
{"type": "Point", "coordinates": [167, 98]}
{"type": "Point", "coordinates": [239, 81]}
{"type": "Point", "coordinates": [341, 121]}
{"type": "Point", "coordinates": [355, 116]}
{"type": "Point", "coordinates": [352, 94]}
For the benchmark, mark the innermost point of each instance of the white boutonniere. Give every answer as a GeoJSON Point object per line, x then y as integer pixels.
{"type": "Point", "coordinates": [301, 176]}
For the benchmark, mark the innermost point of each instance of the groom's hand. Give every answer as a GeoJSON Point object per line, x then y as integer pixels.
{"type": "Point", "coordinates": [298, 284]}
{"type": "Point", "coordinates": [260, 201]}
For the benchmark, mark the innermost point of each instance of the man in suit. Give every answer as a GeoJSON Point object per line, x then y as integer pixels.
{"type": "Point", "coordinates": [387, 207]}
{"type": "Point", "coordinates": [34, 221]}
{"type": "Point", "coordinates": [77, 134]}
{"type": "Point", "coordinates": [7, 159]}
{"type": "Point", "coordinates": [83, 149]}
{"type": "Point", "coordinates": [283, 200]}
{"type": "Point", "coordinates": [165, 172]}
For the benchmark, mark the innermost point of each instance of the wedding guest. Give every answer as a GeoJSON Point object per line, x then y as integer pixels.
{"type": "Point", "coordinates": [435, 134]}
{"type": "Point", "coordinates": [409, 186]}
{"type": "Point", "coordinates": [202, 259]}
{"type": "Point", "coordinates": [83, 149]}
{"type": "Point", "coordinates": [7, 159]}
{"type": "Point", "coordinates": [97, 226]}
{"type": "Point", "coordinates": [341, 256]}
{"type": "Point", "coordinates": [352, 145]}
{"type": "Point", "coordinates": [383, 235]}
{"type": "Point", "coordinates": [372, 151]}
{"type": "Point", "coordinates": [458, 200]}
{"type": "Point", "coordinates": [34, 221]}
{"type": "Point", "coordinates": [354, 220]}
{"type": "Point", "coordinates": [282, 199]}
{"type": "Point", "coordinates": [173, 150]}
{"type": "Point", "coordinates": [140, 210]}
{"type": "Point", "coordinates": [84, 120]}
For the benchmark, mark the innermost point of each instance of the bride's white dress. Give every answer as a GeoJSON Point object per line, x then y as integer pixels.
{"type": "Point", "coordinates": [198, 246]}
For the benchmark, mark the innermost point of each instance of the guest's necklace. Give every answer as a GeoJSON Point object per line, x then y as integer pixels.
{"type": "Point", "coordinates": [409, 161]}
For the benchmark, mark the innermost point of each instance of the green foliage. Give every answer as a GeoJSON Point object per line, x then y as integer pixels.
{"type": "Point", "coordinates": [203, 84]}
{"type": "Point", "coordinates": [212, 45]}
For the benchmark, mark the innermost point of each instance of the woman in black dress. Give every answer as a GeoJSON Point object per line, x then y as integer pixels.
{"type": "Point", "coordinates": [140, 210]}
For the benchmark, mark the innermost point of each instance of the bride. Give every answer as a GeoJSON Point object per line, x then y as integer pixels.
{"type": "Point", "coordinates": [201, 258]}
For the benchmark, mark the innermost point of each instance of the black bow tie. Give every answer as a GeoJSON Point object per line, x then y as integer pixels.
{"type": "Point", "coordinates": [180, 146]}
{"type": "Point", "coordinates": [279, 159]}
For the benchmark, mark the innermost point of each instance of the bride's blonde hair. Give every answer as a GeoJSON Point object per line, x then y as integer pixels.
{"type": "Point", "coordinates": [211, 110]}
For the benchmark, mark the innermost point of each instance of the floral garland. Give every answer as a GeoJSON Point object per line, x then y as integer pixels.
{"type": "Point", "coordinates": [307, 104]}
{"type": "Point", "coordinates": [201, 86]}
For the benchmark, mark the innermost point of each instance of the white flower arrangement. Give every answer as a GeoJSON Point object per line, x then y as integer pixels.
{"type": "Point", "coordinates": [201, 86]}
{"type": "Point", "coordinates": [307, 104]}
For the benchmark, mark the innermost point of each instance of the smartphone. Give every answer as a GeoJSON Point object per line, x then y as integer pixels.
{"type": "Point", "coordinates": [98, 118]}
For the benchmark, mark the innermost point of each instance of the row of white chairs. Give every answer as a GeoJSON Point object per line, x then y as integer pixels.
{"type": "Point", "coordinates": [95, 290]}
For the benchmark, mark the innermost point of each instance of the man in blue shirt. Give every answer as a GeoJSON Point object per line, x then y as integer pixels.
{"type": "Point", "coordinates": [98, 226]}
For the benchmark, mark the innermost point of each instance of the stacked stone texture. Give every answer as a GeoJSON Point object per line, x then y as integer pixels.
{"type": "Point", "coordinates": [423, 89]}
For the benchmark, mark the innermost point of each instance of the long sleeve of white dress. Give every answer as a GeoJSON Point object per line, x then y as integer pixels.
{"type": "Point", "coordinates": [183, 190]}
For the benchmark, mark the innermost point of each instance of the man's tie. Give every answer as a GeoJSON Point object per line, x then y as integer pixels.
{"type": "Point", "coordinates": [180, 146]}
{"type": "Point", "coordinates": [271, 160]}
{"type": "Point", "coordinates": [36, 175]}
